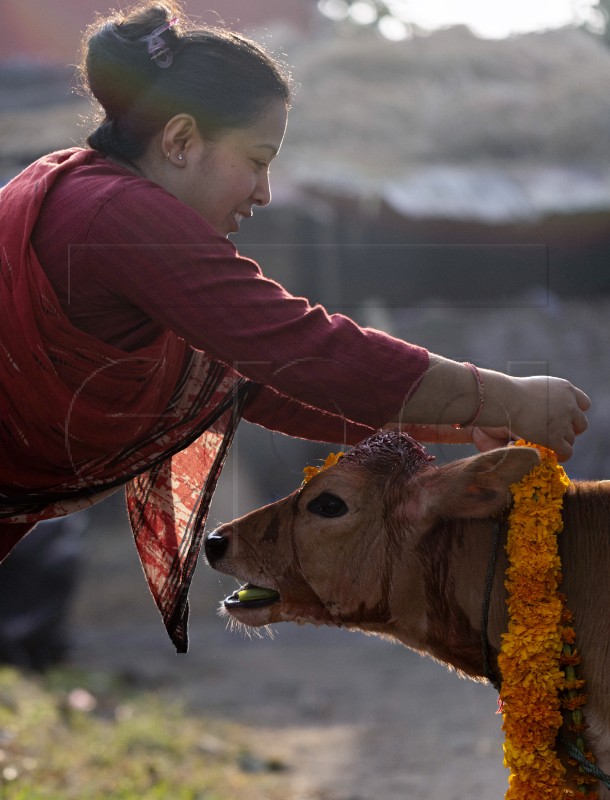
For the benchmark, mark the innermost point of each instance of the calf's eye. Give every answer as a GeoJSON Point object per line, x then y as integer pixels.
{"type": "Point", "coordinates": [327, 505]}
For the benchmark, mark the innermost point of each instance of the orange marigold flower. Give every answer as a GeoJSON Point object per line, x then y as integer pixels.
{"type": "Point", "coordinates": [574, 702]}
{"type": "Point", "coordinates": [577, 683]}
{"type": "Point", "coordinates": [572, 658]}
{"type": "Point", "coordinates": [330, 461]}
{"type": "Point", "coordinates": [577, 727]}
{"type": "Point", "coordinates": [568, 635]}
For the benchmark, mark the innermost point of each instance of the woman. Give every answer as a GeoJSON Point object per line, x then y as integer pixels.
{"type": "Point", "coordinates": [137, 336]}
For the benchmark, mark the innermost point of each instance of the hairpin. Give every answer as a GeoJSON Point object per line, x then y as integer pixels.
{"type": "Point", "coordinates": [158, 49]}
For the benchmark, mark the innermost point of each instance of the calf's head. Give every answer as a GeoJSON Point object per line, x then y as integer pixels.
{"type": "Point", "coordinates": [342, 549]}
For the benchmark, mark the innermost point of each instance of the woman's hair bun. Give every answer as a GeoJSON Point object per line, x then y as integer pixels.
{"type": "Point", "coordinates": [148, 64]}
{"type": "Point", "coordinates": [116, 66]}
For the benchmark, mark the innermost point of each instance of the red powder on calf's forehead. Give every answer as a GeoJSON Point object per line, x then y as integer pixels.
{"type": "Point", "coordinates": [386, 451]}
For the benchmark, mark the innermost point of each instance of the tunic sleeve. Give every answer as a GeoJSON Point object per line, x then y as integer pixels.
{"type": "Point", "coordinates": [286, 415]}
{"type": "Point", "coordinates": [146, 257]}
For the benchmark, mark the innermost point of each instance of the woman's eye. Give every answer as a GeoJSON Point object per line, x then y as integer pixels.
{"type": "Point", "coordinates": [327, 505]}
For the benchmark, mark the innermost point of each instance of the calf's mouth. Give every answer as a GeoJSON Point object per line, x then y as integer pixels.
{"type": "Point", "coordinates": [258, 606]}
{"type": "Point", "coordinates": [251, 596]}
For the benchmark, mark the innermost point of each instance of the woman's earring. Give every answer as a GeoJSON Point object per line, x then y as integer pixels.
{"type": "Point", "coordinates": [180, 156]}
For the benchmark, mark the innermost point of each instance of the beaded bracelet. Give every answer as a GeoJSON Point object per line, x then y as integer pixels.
{"type": "Point", "coordinates": [481, 389]}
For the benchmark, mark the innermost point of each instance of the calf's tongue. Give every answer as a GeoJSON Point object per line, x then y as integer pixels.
{"type": "Point", "coordinates": [251, 596]}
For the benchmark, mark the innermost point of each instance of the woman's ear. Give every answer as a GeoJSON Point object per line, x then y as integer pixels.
{"type": "Point", "coordinates": [179, 136]}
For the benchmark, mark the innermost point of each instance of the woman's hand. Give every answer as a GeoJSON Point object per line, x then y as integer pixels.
{"type": "Point", "coordinates": [551, 413]}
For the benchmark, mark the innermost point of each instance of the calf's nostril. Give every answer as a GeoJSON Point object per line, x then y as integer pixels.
{"type": "Point", "coordinates": [216, 545]}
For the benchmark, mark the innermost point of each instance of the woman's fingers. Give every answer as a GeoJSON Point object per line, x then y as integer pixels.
{"type": "Point", "coordinates": [583, 400]}
{"type": "Point", "coordinates": [564, 452]}
{"type": "Point", "coordinates": [490, 438]}
{"type": "Point", "coordinates": [580, 423]}
{"type": "Point", "coordinates": [560, 419]}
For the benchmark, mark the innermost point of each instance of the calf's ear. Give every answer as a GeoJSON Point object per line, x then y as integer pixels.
{"type": "Point", "coordinates": [478, 486]}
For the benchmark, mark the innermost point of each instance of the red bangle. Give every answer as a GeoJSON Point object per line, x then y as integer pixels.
{"type": "Point", "coordinates": [481, 390]}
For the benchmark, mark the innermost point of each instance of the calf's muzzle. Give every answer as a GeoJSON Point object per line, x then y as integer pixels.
{"type": "Point", "coordinates": [216, 545]}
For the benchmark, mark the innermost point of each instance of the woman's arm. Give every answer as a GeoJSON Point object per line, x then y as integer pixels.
{"type": "Point", "coordinates": [196, 284]}
{"type": "Point", "coordinates": [277, 412]}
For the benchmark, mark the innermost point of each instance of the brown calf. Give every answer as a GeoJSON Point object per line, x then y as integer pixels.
{"type": "Point", "coordinates": [388, 544]}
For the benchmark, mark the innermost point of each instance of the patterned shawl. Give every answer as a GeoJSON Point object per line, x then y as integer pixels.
{"type": "Point", "coordinates": [79, 418]}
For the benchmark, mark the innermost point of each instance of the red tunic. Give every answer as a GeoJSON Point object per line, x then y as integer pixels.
{"type": "Point", "coordinates": [127, 259]}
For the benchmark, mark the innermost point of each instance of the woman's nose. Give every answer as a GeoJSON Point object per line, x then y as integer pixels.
{"type": "Point", "coordinates": [262, 192]}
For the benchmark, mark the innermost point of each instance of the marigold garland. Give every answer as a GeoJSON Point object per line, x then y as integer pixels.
{"type": "Point", "coordinates": [538, 643]}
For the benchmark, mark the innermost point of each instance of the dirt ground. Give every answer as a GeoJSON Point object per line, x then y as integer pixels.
{"type": "Point", "coordinates": [351, 717]}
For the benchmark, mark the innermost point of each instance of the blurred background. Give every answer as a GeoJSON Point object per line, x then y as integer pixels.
{"type": "Point", "coordinates": [446, 178]}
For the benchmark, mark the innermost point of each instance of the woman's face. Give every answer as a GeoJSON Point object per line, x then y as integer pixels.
{"type": "Point", "coordinates": [231, 176]}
